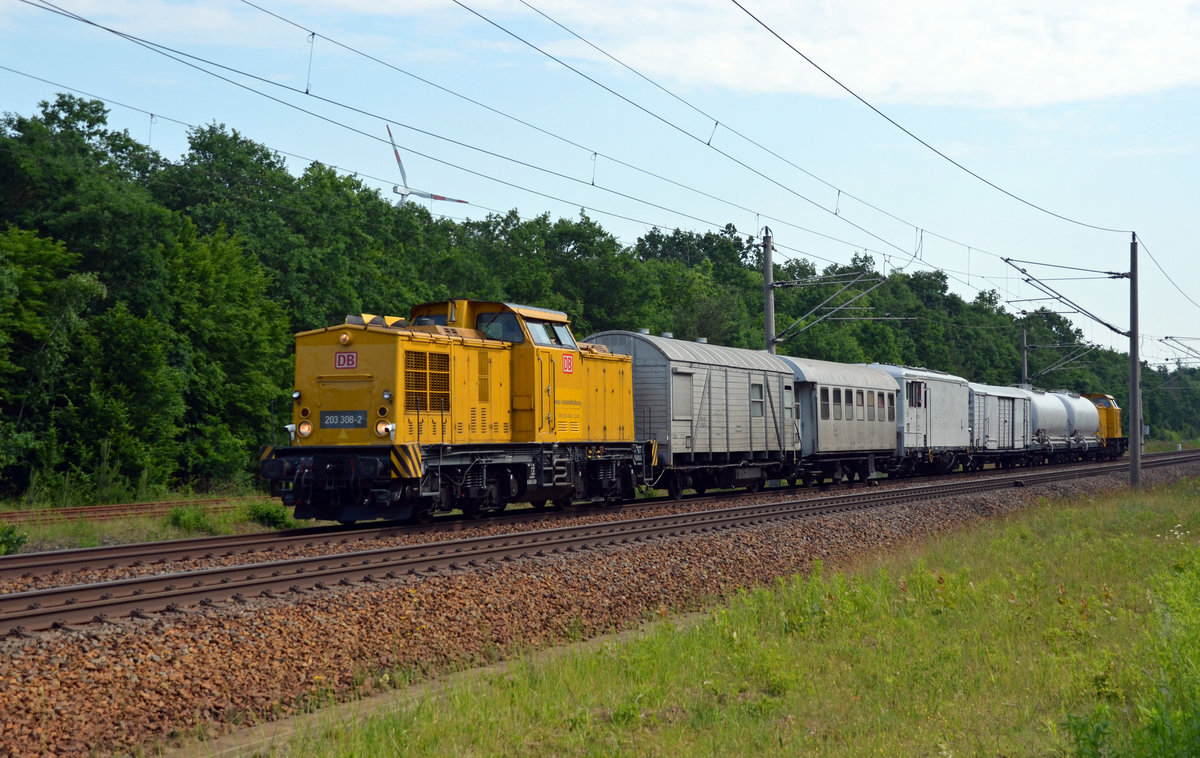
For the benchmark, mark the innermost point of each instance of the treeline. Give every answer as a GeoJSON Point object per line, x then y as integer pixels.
{"type": "Point", "coordinates": [147, 305]}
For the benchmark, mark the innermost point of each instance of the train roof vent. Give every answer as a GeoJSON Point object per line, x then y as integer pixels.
{"type": "Point", "coordinates": [668, 335]}
{"type": "Point", "coordinates": [702, 340]}
{"type": "Point", "coordinates": [643, 331]}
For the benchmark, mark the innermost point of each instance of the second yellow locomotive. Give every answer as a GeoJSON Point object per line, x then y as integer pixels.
{"type": "Point", "coordinates": [468, 405]}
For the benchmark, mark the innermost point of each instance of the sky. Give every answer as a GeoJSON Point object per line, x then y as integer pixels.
{"type": "Point", "coordinates": [942, 134]}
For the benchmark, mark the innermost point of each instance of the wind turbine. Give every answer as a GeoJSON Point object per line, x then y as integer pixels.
{"type": "Point", "coordinates": [405, 191]}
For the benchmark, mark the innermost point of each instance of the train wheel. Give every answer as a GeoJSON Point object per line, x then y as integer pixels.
{"type": "Point", "coordinates": [564, 504]}
{"type": "Point", "coordinates": [538, 505]}
{"type": "Point", "coordinates": [422, 515]}
{"type": "Point", "coordinates": [472, 510]}
{"type": "Point", "coordinates": [674, 489]}
{"type": "Point", "coordinates": [700, 490]}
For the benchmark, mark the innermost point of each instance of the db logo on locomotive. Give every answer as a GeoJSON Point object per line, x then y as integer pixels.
{"type": "Point", "coordinates": [568, 363]}
{"type": "Point", "coordinates": [345, 360]}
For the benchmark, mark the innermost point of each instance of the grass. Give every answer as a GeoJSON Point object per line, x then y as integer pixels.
{"type": "Point", "coordinates": [182, 521]}
{"type": "Point", "coordinates": [1073, 629]}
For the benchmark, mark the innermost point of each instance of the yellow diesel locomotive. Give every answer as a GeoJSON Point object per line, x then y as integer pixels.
{"type": "Point", "coordinates": [467, 405]}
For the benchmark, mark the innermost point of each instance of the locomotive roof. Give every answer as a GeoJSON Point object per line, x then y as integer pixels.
{"type": "Point", "coordinates": [527, 311]}
{"type": "Point", "coordinates": [695, 352]}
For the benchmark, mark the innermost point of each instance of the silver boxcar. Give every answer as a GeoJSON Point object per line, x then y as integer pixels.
{"type": "Point", "coordinates": [1001, 423]}
{"type": "Point", "coordinates": [721, 415]}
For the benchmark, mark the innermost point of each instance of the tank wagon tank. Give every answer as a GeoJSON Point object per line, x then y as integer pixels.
{"type": "Point", "coordinates": [472, 405]}
{"type": "Point", "coordinates": [1083, 425]}
{"type": "Point", "coordinates": [1051, 427]}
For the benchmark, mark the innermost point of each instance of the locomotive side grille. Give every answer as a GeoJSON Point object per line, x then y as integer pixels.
{"type": "Point", "coordinates": [426, 382]}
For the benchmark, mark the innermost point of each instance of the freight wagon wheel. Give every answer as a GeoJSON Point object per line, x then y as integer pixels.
{"type": "Point", "coordinates": [674, 489]}
{"type": "Point", "coordinates": [422, 515]}
{"type": "Point", "coordinates": [538, 505]}
{"type": "Point", "coordinates": [564, 503]}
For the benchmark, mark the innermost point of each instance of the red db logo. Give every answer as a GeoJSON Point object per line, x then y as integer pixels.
{"type": "Point", "coordinates": [345, 360]}
{"type": "Point", "coordinates": [568, 363]}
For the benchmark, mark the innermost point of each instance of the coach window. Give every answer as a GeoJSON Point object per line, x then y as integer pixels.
{"type": "Point", "coordinates": [837, 405]}
{"type": "Point", "coordinates": [795, 402]}
{"type": "Point", "coordinates": [891, 406]}
{"type": "Point", "coordinates": [824, 403]}
{"type": "Point", "coordinates": [787, 407]}
{"type": "Point", "coordinates": [870, 405]}
{"type": "Point", "coordinates": [858, 400]}
{"type": "Point", "coordinates": [882, 414]}
{"type": "Point", "coordinates": [849, 396]}
{"type": "Point", "coordinates": [756, 401]}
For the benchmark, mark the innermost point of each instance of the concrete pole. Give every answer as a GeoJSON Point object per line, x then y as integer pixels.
{"type": "Point", "coordinates": [768, 290]}
{"type": "Point", "coordinates": [1024, 357]}
{"type": "Point", "coordinates": [1135, 373]}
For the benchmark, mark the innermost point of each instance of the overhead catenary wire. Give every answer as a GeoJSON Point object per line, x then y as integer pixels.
{"type": "Point", "coordinates": [894, 123]}
{"type": "Point", "coordinates": [172, 54]}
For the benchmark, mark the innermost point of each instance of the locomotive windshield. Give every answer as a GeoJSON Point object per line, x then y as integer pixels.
{"type": "Point", "coordinates": [550, 334]}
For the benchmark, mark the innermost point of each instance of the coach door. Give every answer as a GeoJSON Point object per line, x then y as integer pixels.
{"type": "Point", "coordinates": [1005, 419]}
{"type": "Point", "coordinates": [916, 415]}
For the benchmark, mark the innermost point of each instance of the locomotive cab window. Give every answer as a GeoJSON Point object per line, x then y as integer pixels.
{"type": "Point", "coordinates": [500, 326]}
{"type": "Point", "coordinates": [550, 334]}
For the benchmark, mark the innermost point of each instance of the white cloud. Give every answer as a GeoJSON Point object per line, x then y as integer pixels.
{"type": "Point", "coordinates": [1005, 54]}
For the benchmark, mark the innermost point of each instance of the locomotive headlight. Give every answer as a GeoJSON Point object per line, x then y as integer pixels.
{"type": "Point", "coordinates": [387, 395]}
{"type": "Point", "coordinates": [304, 428]}
{"type": "Point", "coordinates": [345, 338]}
{"type": "Point", "coordinates": [296, 396]}
{"type": "Point", "coordinates": [383, 427]}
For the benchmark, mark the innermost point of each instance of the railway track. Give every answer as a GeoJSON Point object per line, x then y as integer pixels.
{"type": "Point", "coordinates": [44, 609]}
{"type": "Point", "coordinates": [110, 512]}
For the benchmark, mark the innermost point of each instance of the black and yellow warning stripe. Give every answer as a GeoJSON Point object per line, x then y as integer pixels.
{"type": "Point", "coordinates": [407, 461]}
